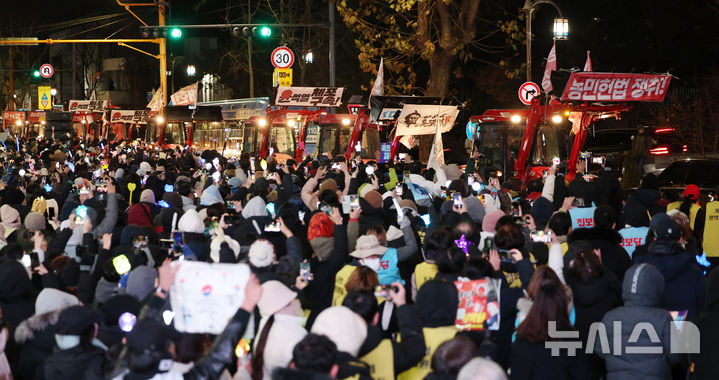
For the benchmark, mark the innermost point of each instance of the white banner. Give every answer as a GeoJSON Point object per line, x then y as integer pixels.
{"type": "Point", "coordinates": [129, 116]}
{"type": "Point", "coordinates": [205, 296]}
{"type": "Point", "coordinates": [309, 96]}
{"type": "Point", "coordinates": [87, 105]}
{"type": "Point", "coordinates": [185, 96]}
{"type": "Point", "coordinates": [418, 119]}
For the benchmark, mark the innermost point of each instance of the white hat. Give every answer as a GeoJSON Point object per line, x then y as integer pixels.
{"type": "Point", "coordinates": [342, 326]}
{"type": "Point", "coordinates": [144, 168]}
{"type": "Point", "coordinates": [281, 342]}
{"type": "Point", "coordinates": [394, 233]}
{"type": "Point", "coordinates": [275, 296]}
{"type": "Point", "coordinates": [51, 299]}
{"type": "Point", "coordinates": [262, 253]}
{"type": "Point", "coordinates": [191, 222]}
{"type": "Point", "coordinates": [366, 246]}
{"type": "Point", "coordinates": [217, 243]}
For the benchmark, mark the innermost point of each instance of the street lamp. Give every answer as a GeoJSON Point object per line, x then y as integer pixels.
{"type": "Point", "coordinates": [191, 70]}
{"type": "Point", "coordinates": [308, 56]}
{"type": "Point", "coordinates": [561, 28]}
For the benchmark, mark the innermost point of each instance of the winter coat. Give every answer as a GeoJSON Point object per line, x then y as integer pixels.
{"type": "Point", "coordinates": [642, 291]}
{"type": "Point", "coordinates": [583, 189]}
{"type": "Point", "coordinates": [593, 299]}
{"type": "Point", "coordinates": [17, 298]}
{"type": "Point", "coordinates": [36, 338]}
{"type": "Point", "coordinates": [643, 201]}
{"type": "Point", "coordinates": [705, 364]}
{"type": "Point", "coordinates": [75, 363]}
{"type": "Point", "coordinates": [614, 257]}
{"type": "Point", "coordinates": [535, 361]}
{"type": "Point", "coordinates": [298, 374]}
{"type": "Point", "coordinates": [609, 190]}
{"type": "Point", "coordinates": [683, 278]}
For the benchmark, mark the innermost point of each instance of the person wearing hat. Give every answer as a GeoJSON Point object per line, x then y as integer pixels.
{"type": "Point", "coordinates": [388, 357]}
{"type": "Point", "coordinates": [35, 336]}
{"type": "Point", "coordinates": [348, 331]}
{"type": "Point", "coordinates": [683, 278]}
{"type": "Point", "coordinates": [643, 204]}
{"type": "Point", "coordinates": [10, 218]}
{"type": "Point", "coordinates": [689, 206]}
{"type": "Point", "coordinates": [80, 354]}
{"type": "Point", "coordinates": [280, 329]}
{"type": "Point", "coordinates": [150, 349]}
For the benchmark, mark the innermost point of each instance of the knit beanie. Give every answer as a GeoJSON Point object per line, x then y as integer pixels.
{"type": "Point", "coordinates": [35, 221]}
{"type": "Point", "coordinates": [320, 226]}
{"type": "Point", "coordinates": [147, 196]}
{"type": "Point", "coordinates": [9, 214]}
{"type": "Point", "coordinates": [374, 198]}
{"type": "Point", "coordinates": [262, 253]}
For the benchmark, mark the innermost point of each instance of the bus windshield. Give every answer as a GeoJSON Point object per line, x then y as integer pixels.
{"type": "Point", "coordinates": [175, 133]}
{"type": "Point", "coordinates": [282, 140]}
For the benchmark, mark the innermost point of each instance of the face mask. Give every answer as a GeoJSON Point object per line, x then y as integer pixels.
{"type": "Point", "coordinates": [65, 342]}
{"type": "Point", "coordinates": [371, 263]}
{"type": "Point", "coordinates": [140, 244]}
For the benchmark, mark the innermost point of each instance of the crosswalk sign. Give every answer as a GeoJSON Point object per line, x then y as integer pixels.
{"type": "Point", "coordinates": [44, 97]}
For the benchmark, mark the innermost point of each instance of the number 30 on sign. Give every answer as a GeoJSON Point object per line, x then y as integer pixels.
{"type": "Point", "coordinates": [283, 58]}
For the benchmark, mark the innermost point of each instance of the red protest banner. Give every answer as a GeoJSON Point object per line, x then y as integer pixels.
{"type": "Point", "coordinates": [616, 87]}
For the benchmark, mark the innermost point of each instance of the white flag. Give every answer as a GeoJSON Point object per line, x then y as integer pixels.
{"type": "Point", "coordinates": [185, 96]}
{"type": "Point", "coordinates": [378, 87]}
{"type": "Point", "coordinates": [551, 66]}
{"type": "Point", "coordinates": [437, 153]}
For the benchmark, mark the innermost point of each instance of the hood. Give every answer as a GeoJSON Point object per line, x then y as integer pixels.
{"type": "Point", "coordinates": [594, 234]}
{"type": "Point", "coordinates": [712, 291]}
{"type": "Point", "coordinates": [643, 286]}
{"type": "Point", "coordinates": [210, 196]}
{"type": "Point", "coordinates": [668, 258]}
{"type": "Point", "coordinates": [437, 303]}
{"type": "Point", "coordinates": [129, 232]}
{"type": "Point", "coordinates": [590, 293]}
{"type": "Point", "coordinates": [254, 207]}
{"type": "Point", "coordinates": [647, 197]}
{"type": "Point", "coordinates": [27, 329]}
{"type": "Point", "coordinates": [323, 247]}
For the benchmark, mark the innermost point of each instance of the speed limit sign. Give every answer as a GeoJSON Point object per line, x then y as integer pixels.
{"type": "Point", "coordinates": [282, 58]}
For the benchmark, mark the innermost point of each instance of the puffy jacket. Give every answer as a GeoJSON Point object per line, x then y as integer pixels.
{"type": "Point", "coordinates": [614, 256]}
{"type": "Point", "coordinates": [637, 206]}
{"type": "Point", "coordinates": [642, 291]}
{"type": "Point", "coordinates": [705, 364]}
{"type": "Point", "coordinates": [683, 279]}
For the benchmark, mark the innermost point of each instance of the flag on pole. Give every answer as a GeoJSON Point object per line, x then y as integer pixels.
{"type": "Point", "coordinates": [378, 87]}
{"type": "Point", "coordinates": [185, 96]}
{"type": "Point", "coordinates": [551, 66]}
{"type": "Point", "coordinates": [588, 64]}
{"type": "Point", "coordinates": [156, 103]}
{"type": "Point", "coordinates": [437, 152]}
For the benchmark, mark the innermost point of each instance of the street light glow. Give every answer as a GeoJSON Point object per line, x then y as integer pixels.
{"type": "Point", "coordinates": [53, 91]}
{"type": "Point", "coordinates": [191, 70]}
{"type": "Point", "coordinates": [556, 119]}
{"type": "Point", "coordinates": [291, 123]}
{"type": "Point", "coordinates": [18, 122]}
{"type": "Point", "coordinates": [561, 28]}
{"type": "Point", "coordinates": [160, 120]}
{"type": "Point", "coordinates": [265, 31]}
{"type": "Point", "coordinates": [262, 122]}
{"type": "Point", "coordinates": [345, 121]}
{"type": "Point", "coordinates": [515, 119]}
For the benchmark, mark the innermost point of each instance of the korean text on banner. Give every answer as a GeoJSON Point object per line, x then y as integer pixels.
{"type": "Point", "coordinates": [616, 87]}
{"type": "Point", "coordinates": [185, 96]}
{"type": "Point", "coordinates": [425, 119]}
{"type": "Point", "coordinates": [129, 116]}
{"type": "Point", "coordinates": [478, 304]}
{"type": "Point", "coordinates": [582, 217]}
{"type": "Point", "coordinates": [156, 103]}
{"type": "Point", "coordinates": [633, 237]}
{"type": "Point", "coordinates": [87, 105]}
{"type": "Point", "coordinates": [309, 96]}
{"type": "Point", "coordinates": [205, 296]}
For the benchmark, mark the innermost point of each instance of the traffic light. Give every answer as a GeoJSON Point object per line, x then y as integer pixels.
{"type": "Point", "coordinates": [36, 74]}
{"type": "Point", "coordinates": [265, 31]}
{"type": "Point", "coordinates": [176, 33]}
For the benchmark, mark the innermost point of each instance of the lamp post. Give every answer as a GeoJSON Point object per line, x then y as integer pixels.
{"type": "Point", "coordinates": [561, 28]}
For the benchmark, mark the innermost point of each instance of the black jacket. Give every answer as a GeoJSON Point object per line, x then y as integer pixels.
{"type": "Point", "coordinates": [642, 293]}
{"type": "Point", "coordinates": [609, 190]}
{"type": "Point", "coordinates": [583, 189]}
{"type": "Point", "coordinates": [36, 338]}
{"type": "Point", "coordinates": [683, 278]}
{"type": "Point", "coordinates": [593, 299]}
{"type": "Point", "coordinates": [17, 296]}
{"type": "Point", "coordinates": [533, 361]}
{"type": "Point", "coordinates": [76, 363]}
{"type": "Point", "coordinates": [410, 350]}
{"type": "Point", "coordinates": [614, 256]}
{"type": "Point", "coordinates": [637, 206]}
{"type": "Point", "coordinates": [705, 363]}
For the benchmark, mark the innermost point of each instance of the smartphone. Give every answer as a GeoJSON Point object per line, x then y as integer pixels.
{"type": "Point", "coordinates": [457, 199]}
{"type": "Point", "coordinates": [324, 207]}
{"type": "Point", "coordinates": [405, 176]}
{"type": "Point", "coordinates": [163, 204]}
{"type": "Point", "coordinates": [398, 190]}
{"type": "Point", "coordinates": [335, 166]}
{"type": "Point", "coordinates": [80, 214]}
{"type": "Point", "coordinates": [177, 238]}
{"type": "Point", "coordinates": [34, 260]}
{"type": "Point", "coordinates": [305, 271]}
{"type": "Point", "coordinates": [426, 219]}
{"type": "Point", "coordinates": [578, 202]}
{"type": "Point", "coordinates": [230, 205]}
{"type": "Point", "coordinates": [544, 174]}
{"type": "Point", "coordinates": [541, 236]}
{"type": "Point", "coordinates": [169, 188]}
{"type": "Point", "coordinates": [505, 255]}
{"type": "Point", "coordinates": [273, 227]}
{"type": "Point", "coordinates": [369, 170]}
{"type": "Point", "coordinates": [121, 264]}
{"type": "Point", "coordinates": [488, 244]}
{"type": "Point", "coordinates": [519, 219]}
{"type": "Point", "coordinates": [383, 290]}
{"type": "Point", "coordinates": [354, 202]}
{"type": "Point", "coordinates": [358, 147]}
{"type": "Point", "coordinates": [51, 213]}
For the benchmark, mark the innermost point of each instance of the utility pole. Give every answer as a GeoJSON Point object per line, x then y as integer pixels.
{"type": "Point", "coordinates": [249, 53]}
{"type": "Point", "coordinates": [332, 16]}
{"type": "Point", "coordinates": [12, 80]}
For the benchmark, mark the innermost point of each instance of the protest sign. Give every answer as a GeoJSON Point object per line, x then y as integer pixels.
{"type": "Point", "coordinates": [478, 304]}
{"type": "Point", "coordinates": [418, 119]}
{"type": "Point", "coordinates": [205, 296]}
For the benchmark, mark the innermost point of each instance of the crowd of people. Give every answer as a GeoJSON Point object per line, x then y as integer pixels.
{"type": "Point", "coordinates": [355, 268]}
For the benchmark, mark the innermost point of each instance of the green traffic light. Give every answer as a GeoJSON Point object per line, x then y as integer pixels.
{"type": "Point", "coordinates": [176, 33]}
{"type": "Point", "coordinates": [36, 74]}
{"type": "Point", "coordinates": [265, 31]}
